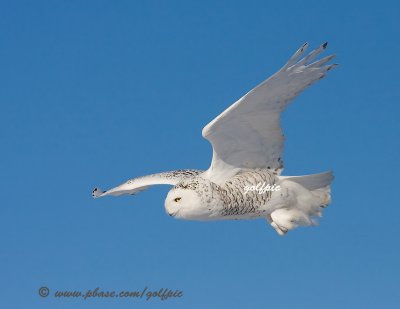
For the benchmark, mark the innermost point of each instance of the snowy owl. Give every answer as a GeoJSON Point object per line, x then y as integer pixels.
{"type": "Point", "coordinates": [247, 143]}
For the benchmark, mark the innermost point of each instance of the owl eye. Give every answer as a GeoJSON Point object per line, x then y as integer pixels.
{"type": "Point", "coordinates": [177, 199]}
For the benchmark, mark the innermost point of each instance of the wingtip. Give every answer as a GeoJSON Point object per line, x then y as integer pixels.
{"type": "Point", "coordinates": [330, 67]}
{"type": "Point", "coordinates": [304, 46]}
{"type": "Point", "coordinates": [97, 192]}
{"type": "Point", "coordinates": [325, 45]}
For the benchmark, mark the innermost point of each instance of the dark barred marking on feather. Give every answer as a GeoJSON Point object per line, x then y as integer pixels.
{"type": "Point", "coordinates": [236, 201]}
{"type": "Point", "coordinates": [170, 175]}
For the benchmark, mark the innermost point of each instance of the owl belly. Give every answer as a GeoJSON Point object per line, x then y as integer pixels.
{"type": "Point", "coordinates": [248, 195]}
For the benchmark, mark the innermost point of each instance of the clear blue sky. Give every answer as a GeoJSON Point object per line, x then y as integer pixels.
{"type": "Point", "coordinates": [96, 92]}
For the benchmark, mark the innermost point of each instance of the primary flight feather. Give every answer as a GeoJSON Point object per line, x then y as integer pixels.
{"type": "Point", "coordinates": [244, 180]}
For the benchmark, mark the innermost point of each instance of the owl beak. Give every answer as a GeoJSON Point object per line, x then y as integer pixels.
{"type": "Point", "coordinates": [172, 214]}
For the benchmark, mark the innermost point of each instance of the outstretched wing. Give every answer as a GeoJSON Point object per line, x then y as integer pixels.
{"type": "Point", "coordinates": [248, 134]}
{"type": "Point", "coordinates": [136, 185]}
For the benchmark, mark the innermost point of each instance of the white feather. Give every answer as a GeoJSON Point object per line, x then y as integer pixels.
{"type": "Point", "coordinates": [248, 134]}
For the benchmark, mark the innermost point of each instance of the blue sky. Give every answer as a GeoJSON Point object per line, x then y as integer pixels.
{"type": "Point", "coordinates": [96, 92]}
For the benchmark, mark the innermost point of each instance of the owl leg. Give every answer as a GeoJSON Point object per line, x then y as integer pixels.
{"type": "Point", "coordinates": [281, 230]}
{"type": "Point", "coordinates": [284, 219]}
